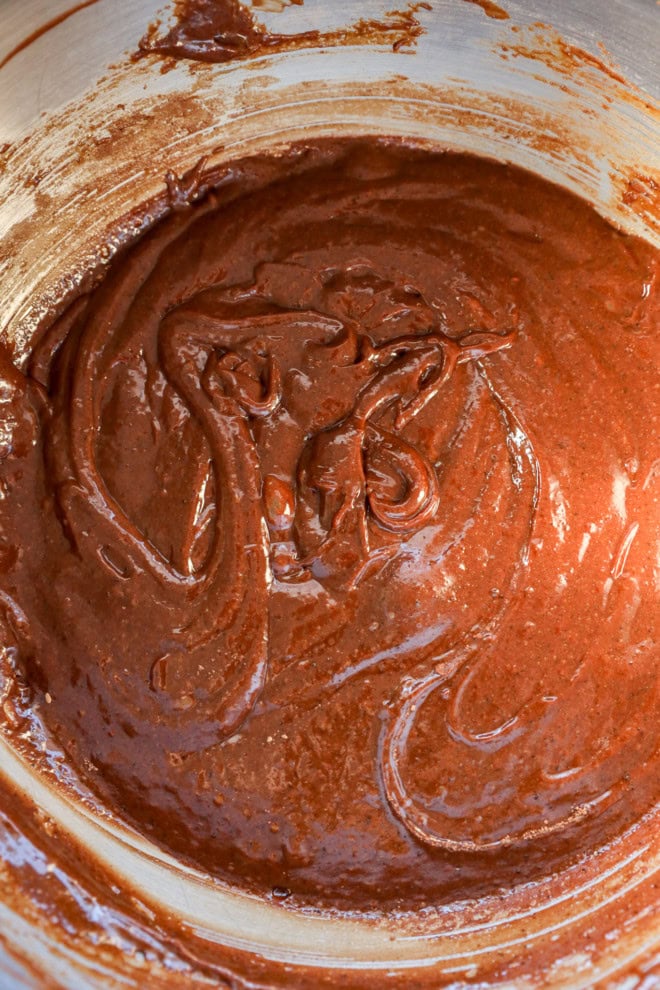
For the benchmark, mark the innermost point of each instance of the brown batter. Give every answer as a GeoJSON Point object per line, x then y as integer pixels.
{"type": "Point", "coordinates": [329, 525]}
{"type": "Point", "coordinates": [210, 31]}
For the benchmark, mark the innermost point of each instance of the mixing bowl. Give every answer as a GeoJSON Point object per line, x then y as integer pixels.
{"type": "Point", "coordinates": [567, 90]}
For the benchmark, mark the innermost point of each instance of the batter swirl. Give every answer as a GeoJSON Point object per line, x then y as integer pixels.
{"type": "Point", "coordinates": [330, 518]}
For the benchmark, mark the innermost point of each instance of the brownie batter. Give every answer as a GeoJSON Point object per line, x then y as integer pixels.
{"type": "Point", "coordinates": [227, 31]}
{"type": "Point", "coordinates": [329, 527]}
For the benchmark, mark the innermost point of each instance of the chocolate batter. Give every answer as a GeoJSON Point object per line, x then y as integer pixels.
{"type": "Point", "coordinates": [329, 525]}
{"type": "Point", "coordinates": [213, 31]}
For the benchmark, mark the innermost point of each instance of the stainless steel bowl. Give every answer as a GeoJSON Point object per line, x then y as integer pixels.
{"type": "Point", "coordinates": [85, 136]}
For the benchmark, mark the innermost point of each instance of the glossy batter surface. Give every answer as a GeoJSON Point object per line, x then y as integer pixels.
{"type": "Point", "coordinates": [329, 528]}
